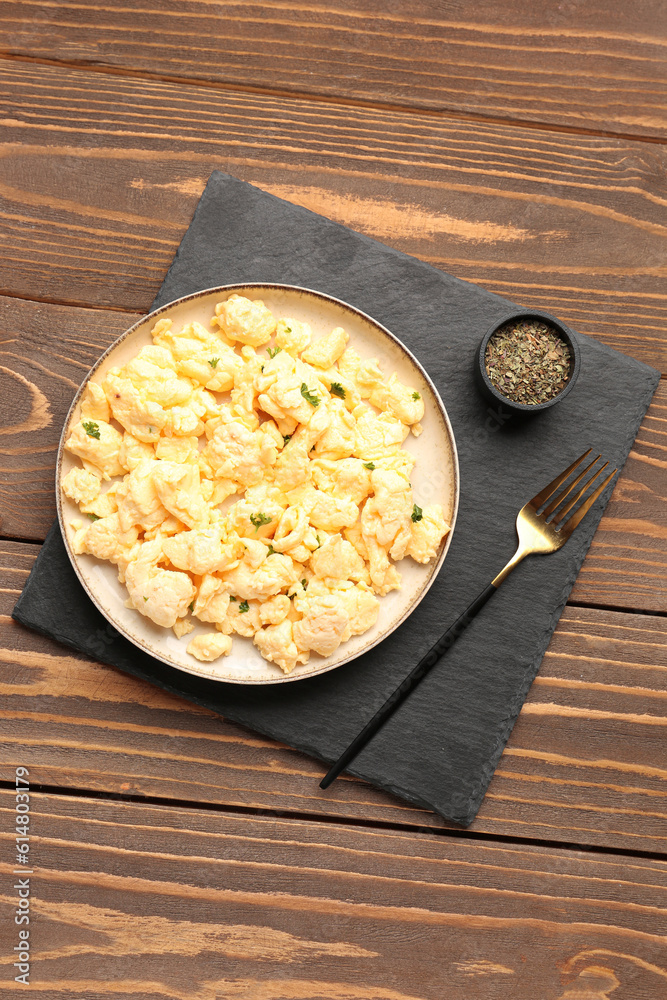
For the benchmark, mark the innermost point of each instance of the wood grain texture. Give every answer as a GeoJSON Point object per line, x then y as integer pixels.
{"type": "Point", "coordinates": [46, 350]}
{"type": "Point", "coordinates": [99, 176]}
{"type": "Point", "coordinates": [566, 64]}
{"type": "Point", "coordinates": [586, 762]}
{"type": "Point", "coordinates": [185, 904]}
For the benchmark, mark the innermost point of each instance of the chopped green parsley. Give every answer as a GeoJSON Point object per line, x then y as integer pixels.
{"type": "Point", "coordinates": [213, 362]}
{"type": "Point", "coordinates": [191, 606]}
{"type": "Point", "coordinates": [415, 395]}
{"type": "Point", "coordinates": [272, 351]}
{"type": "Point", "coordinates": [92, 429]}
{"type": "Point", "coordinates": [243, 607]}
{"type": "Point", "coordinates": [369, 465]}
{"type": "Point", "coordinates": [286, 438]}
{"type": "Point", "coordinates": [337, 390]}
{"type": "Point", "coordinates": [417, 512]}
{"type": "Point", "coordinates": [93, 517]}
{"type": "Point", "coordinates": [310, 396]}
{"type": "Point", "coordinates": [259, 519]}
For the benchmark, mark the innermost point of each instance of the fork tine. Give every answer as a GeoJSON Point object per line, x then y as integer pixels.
{"type": "Point", "coordinates": [573, 521]}
{"type": "Point", "coordinates": [544, 494]}
{"type": "Point", "coordinates": [562, 496]}
{"type": "Point", "coordinates": [568, 507]}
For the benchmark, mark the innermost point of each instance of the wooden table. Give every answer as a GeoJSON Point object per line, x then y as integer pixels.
{"type": "Point", "coordinates": [521, 146]}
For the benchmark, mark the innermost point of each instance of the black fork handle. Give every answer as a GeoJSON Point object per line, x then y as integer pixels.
{"type": "Point", "coordinates": [427, 662]}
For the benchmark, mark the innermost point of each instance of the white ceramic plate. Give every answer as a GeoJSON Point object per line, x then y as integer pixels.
{"type": "Point", "coordinates": [435, 479]}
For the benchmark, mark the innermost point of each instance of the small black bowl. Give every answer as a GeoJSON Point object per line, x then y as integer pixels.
{"type": "Point", "coordinates": [487, 386]}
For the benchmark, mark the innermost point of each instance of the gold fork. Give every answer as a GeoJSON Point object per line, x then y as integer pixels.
{"type": "Point", "coordinates": [541, 529]}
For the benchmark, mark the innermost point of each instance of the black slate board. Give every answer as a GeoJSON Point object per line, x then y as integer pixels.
{"type": "Point", "coordinates": [441, 747]}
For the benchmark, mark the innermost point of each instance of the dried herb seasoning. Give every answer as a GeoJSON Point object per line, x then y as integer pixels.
{"type": "Point", "coordinates": [528, 361]}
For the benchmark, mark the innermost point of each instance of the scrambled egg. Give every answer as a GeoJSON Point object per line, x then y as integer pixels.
{"type": "Point", "coordinates": [264, 492]}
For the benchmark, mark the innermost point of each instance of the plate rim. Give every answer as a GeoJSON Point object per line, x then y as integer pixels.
{"type": "Point", "coordinates": [277, 286]}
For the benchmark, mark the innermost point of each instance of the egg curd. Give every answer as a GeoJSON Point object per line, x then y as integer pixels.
{"type": "Point", "coordinates": [252, 479]}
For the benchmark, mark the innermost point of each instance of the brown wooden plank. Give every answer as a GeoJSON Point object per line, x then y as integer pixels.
{"type": "Point", "coordinates": [45, 353]}
{"type": "Point", "coordinates": [100, 174]}
{"type": "Point", "coordinates": [586, 762]}
{"type": "Point", "coordinates": [585, 65]}
{"type": "Point", "coordinates": [137, 901]}
{"type": "Point", "coordinates": [46, 350]}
